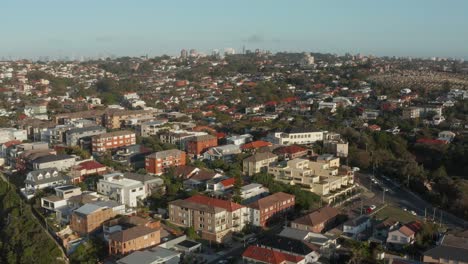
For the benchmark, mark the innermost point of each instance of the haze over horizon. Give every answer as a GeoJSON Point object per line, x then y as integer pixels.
{"type": "Point", "coordinates": [417, 28]}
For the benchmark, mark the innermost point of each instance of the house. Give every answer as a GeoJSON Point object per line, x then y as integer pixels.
{"type": "Point", "coordinates": [151, 183]}
{"type": "Point", "coordinates": [121, 189]}
{"type": "Point", "coordinates": [326, 243]}
{"type": "Point", "coordinates": [258, 162]}
{"type": "Point", "coordinates": [318, 221]}
{"type": "Point", "coordinates": [112, 140]}
{"type": "Point", "coordinates": [156, 255]}
{"type": "Point", "coordinates": [58, 203]}
{"type": "Point", "coordinates": [225, 152]}
{"type": "Point", "coordinates": [60, 162]}
{"type": "Point", "coordinates": [405, 234]}
{"type": "Point", "coordinates": [292, 246]}
{"type": "Point", "coordinates": [79, 172]}
{"type": "Point", "coordinates": [374, 128]}
{"type": "Point", "coordinates": [291, 152]}
{"type": "Point", "coordinates": [157, 163]}
{"type": "Point", "coordinates": [132, 239]}
{"type": "Point", "coordinates": [274, 205]}
{"type": "Point", "coordinates": [9, 134]}
{"type": "Point", "coordinates": [43, 178]}
{"type": "Point", "coordinates": [446, 136]}
{"type": "Point", "coordinates": [214, 219]}
{"type": "Point", "coordinates": [355, 226]}
{"type": "Point", "coordinates": [255, 145]}
{"type": "Point", "coordinates": [89, 217]}
{"type": "Point", "coordinates": [452, 248]}
{"type": "Point", "coordinates": [258, 254]}
{"type": "Point", "coordinates": [220, 184]}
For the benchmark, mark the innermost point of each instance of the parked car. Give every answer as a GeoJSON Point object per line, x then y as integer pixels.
{"type": "Point", "coordinates": [413, 212]}
{"type": "Point", "coordinates": [251, 240]}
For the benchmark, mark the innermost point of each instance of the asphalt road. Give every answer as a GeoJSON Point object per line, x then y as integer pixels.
{"type": "Point", "coordinates": [401, 197]}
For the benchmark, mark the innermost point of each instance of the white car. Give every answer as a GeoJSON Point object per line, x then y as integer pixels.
{"type": "Point", "coordinates": [356, 169]}
{"type": "Point", "coordinates": [413, 212]}
{"type": "Point", "coordinates": [372, 207]}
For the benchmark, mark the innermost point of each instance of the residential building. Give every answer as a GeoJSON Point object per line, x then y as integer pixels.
{"type": "Point", "coordinates": [199, 144]}
{"type": "Point", "coordinates": [291, 152]}
{"type": "Point", "coordinates": [258, 162]}
{"type": "Point", "coordinates": [324, 176]}
{"type": "Point", "coordinates": [298, 248]}
{"type": "Point", "coordinates": [113, 140]}
{"type": "Point", "coordinates": [8, 134]}
{"type": "Point", "coordinates": [132, 239]}
{"type": "Point", "coordinates": [404, 235]}
{"type": "Point", "coordinates": [295, 136]}
{"type": "Point", "coordinates": [79, 172]}
{"type": "Point", "coordinates": [253, 191]}
{"type": "Point", "coordinates": [411, 112]}
{"type": "Point", "coordinates": [152, 128]}
{"type": "Point", "coordinates": [259, 254]}
{"type": "Point", "coordinates": [151, 183]}
{"type": "Point", "coordinates": [224, 152]}
{"type": "Point", "coordinates": [156, 255]}
{"type": "Point", "coordinates": [122, 190]}
{"type": "Point", "coordinates": [132, 156]}
{"type": "Point", "coordinates": [157, 163]}
{"type": "Point", "coordinates": [58, 203]}
{"type": "Point", "coordinates": [452, 248]}
{"type": "Point", "coordinates": [212, 218]}
{"type": "Point", "coordinates": [116, 119]}
{"type": "Point", "coordinates": [356, 225]}
{"type": "Point", "coordinates": [55, 135]}
{"type": "Point", "coordinates": [82, 136]}
{"type": "Point", "coordinates": [334, 144]}
{"type": "Point", "coordinates": [274, 205]}
{"type": "Point", "coordinates": [60, 162]}
{"type": "Point", "coordinates": [43, 178]}
{"type": "Point", "coordinates": [318, 221]}
{"type": "Point", "coordinates": [221, 184]}
{"type": "Point", "coordinates": [89, 217]}
{"type": "Point", "coordinates": [239, 140]}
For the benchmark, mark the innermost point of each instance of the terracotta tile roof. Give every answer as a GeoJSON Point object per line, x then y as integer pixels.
{"type": "Point", "coordinates": [290, 150]}
{"type": "Point", "coordinates": [228, 205]}
{"type": "Point", "coordinates": [271, 200]}
{"type": "Point", "coordinates": [11, 143]}
{"type": "Point", "coordinates": [256, 144]}
{"type": "Point", "coordinates": [406, 231]}
{"type": "Point", "coordinates": [228, 182]}
{"type": "Point", "coordinates": [90, 165]}
{"type": "Point", "coordinates": [266, 255]}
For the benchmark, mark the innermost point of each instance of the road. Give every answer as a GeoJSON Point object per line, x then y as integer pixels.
{"type": "Point", "coordinates": [404, 198]}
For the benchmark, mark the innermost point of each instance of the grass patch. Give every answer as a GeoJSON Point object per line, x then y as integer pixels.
{"type": "Point", "coordinates": [396, 214]}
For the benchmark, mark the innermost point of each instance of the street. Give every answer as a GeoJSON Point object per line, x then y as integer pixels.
{"type": "Point", "coordinates": [403, 198]}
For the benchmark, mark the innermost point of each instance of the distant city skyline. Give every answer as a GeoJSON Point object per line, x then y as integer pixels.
{"type": "Point", "coordinates": [53, 28]}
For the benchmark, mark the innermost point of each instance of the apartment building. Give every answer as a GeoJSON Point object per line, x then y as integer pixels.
{"type": "Point", "coordinates": [121, 189]}
{"type": "Point", "coordinates": [80, 136]}
{"type": "Point", "coordinates": [298, 136]}
{"type": "Point", "coordinates": [152, 128]}
{"type": "Point", "coordinates": [258, 162]}
{"type": "Point", "coordinates": [133, 239]}
{"type": "Point", "coordinates": [199, 144]}
{"type": "Point", "coordinates": [212, 218]}
{"type": "Point", "coordinates": [8, 134]}
{"type": "Point", "coordinates": [66, 118]}
{"type": "Point", "coordinates": [89, 217]}
{"type": "Point", "coordinates": [252, 191]}
{"type": "Point", "coordinates": [157, 163]}
{"type": "Point", "coordinates": [116, 119]}
{"type": "Point", "coordinates": [411, 112]}
{"type": "Point", "coordinates": [337, 147]}
{"type": "Point", "coordinates": [58, 203]}
{"type": "Point", "coordinates": [112, 140]}
{"type": "Point", "coordinates": [61, 162]}
{"type": "Point", "coordinates": [275, 205]}
{"type": "Point", "coordinates": [324, 176]}
{"type": "Point", "coordinates": [55, 135]}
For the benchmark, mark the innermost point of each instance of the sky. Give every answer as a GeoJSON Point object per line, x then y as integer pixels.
{"type": "Point", "coordinates": [416, 28]}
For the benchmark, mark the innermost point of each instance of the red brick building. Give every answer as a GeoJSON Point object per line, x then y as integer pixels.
{"type": "Point", "coordinates": [158, 162]}
{"type": "Point", "coordinates": [112, 140]}
{"type": "Point", "coordinates": [266, 208]}
{"type": "Point", "coordinates": [197, 145]}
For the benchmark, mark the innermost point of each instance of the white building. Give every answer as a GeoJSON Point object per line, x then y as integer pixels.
{"type": "Point", "coordinates": [295, 136]}
{"type": "Point", "coordinates": [253, 190]}
{"type": "Point", "coordinates": [122, 190]}
{"type": "Point", "coordinates": [239, 140]}
{"type": "Point", "coordinates": [8, 134]}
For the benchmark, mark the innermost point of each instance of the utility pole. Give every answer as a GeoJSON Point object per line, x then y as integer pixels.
{"type": "Point", "coordinates": [433, 215]}
{"type": "Point", "coordinates": [383, 196]}
{"type": "Point", "coordinates": [425, 215]}
{"type": "Point", "coordinates": [361, 206]}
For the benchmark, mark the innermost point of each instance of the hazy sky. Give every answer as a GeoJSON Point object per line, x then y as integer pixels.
{"type": "Point", "coordinates": [31, 28]}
